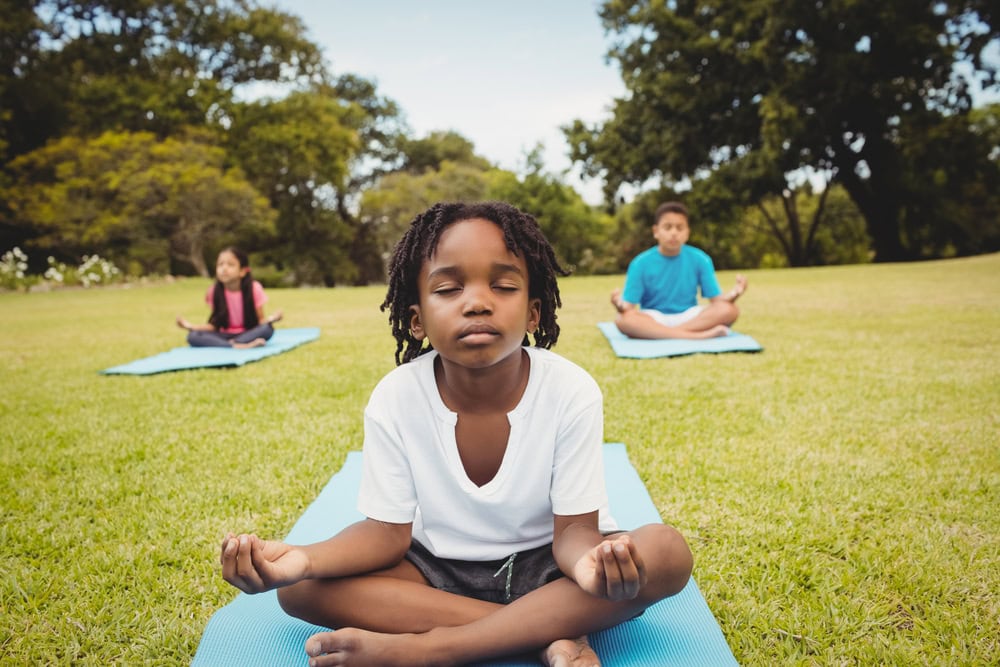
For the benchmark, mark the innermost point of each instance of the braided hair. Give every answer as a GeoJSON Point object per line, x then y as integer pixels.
{"type": "Point", "coordinates": [220, 311]}
{"type": "Point", "coordinates": [522, 236]}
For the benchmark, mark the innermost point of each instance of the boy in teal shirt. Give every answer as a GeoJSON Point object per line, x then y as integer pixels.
{"type": "Point", "coordinates": [660, 299]}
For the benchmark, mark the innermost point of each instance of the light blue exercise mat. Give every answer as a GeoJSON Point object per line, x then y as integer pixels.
{"type": "Point", "coordinates": [185, 358]}
{"type": "Point", "coordinates": [640, 348]}
{"type": "Point", "coordinates": [679, 631]}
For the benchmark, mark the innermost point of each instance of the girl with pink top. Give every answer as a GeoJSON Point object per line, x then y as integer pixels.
{"type": "Point", "coordinates": [237, 301]}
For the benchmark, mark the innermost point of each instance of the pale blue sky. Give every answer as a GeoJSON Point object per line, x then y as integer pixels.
{"type": "Point", "coordinates": [505, 75]}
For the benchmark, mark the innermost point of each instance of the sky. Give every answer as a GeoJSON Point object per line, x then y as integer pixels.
{"type": "Point", "coordinates": [505, 75]}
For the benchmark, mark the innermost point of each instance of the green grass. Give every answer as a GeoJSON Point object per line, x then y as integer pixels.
{"type": "Point", "coordinates": [840, 491]}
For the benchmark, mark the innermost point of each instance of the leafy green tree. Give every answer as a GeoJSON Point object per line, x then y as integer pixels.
{"type": "Point", "coordinates": [430, 152]}
{"type": "Point", "coordinates": [380, 128]}
{"type": "Point", "coordinates": [844, 88]}
{"type": "Point", "coordinates": [388, 208]}
{"type": "Point", "coordinates": [578, 232]}
{"type": "Point", "coordinates": [147, 65]}
{"type": "Point", "coordinates": [296, 151]}
{"type": "Point", "coordinates": [138, 201]}
{"type": "Point", "coordinates": [82, 68]}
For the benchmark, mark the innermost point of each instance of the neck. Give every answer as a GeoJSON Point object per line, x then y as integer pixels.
{"type": "Point", "coordinates": [496, 388]}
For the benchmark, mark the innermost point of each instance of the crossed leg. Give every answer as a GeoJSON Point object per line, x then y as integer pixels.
{"type": "Point", "coordinates": [406, 622]}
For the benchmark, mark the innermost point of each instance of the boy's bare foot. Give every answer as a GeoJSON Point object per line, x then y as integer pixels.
{"type": "Point", "coordinates": [570, 653]}
{"type": "Point", "coordinates": [276, 317]}
{"type": "Point", "coordinates": [616, 299]}
{"type": "Point", "coordinates": [717, 331]}
{"type": "Point", "coordinates": [350, 646]}
{"type": "Point", "coordinates": [256, 342]}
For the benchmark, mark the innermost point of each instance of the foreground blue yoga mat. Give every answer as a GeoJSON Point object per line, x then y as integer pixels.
{"type": "Point", "coordinates": [681, 631]}
{"type": "Point", "coordinates": [639, 348]}
{"type": "Point", "coordinates": [184, 358]}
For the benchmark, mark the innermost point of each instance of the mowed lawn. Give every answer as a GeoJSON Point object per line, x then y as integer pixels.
{"type": "Point", "coordinates": [840, 490]}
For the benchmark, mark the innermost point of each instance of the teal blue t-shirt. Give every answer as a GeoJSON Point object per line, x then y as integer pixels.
{"type": "Point", "coordinates": [670, 284]}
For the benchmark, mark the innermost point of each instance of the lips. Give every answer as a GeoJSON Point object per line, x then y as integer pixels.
{"type": "Point", "coordinates": [478, 332]}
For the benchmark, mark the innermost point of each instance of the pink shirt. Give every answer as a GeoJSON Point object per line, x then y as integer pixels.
{"type": "Point", "coordinates": [234, 302]}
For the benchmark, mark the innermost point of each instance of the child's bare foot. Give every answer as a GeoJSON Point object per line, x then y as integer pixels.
{"type": "Point", "coordinates": [717, 331]}
{"type": "Point", "coordinates": [350, 646]}
{"type": "Point", "coordinates": [570, 653]}
{"type": "Point", "coordinates": [256, 342]}
{"type": "Point", "coordinates": [276, 317]}
{"type": "Point", "coordinates": [616, 299]}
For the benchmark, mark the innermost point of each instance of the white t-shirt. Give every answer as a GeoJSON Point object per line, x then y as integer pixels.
{"type": "Point", "coordinates": [553, 463]}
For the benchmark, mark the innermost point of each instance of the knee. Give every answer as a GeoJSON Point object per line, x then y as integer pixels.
{"type": "Point", "coordinates": [295, 600]}
{"type": "Point", "coordinates": [672, 563]}
{"type": "Point", "coordinates": [732, 311]}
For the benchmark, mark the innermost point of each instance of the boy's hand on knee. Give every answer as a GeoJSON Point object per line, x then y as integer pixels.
{"type": "Point", "coordinates": [254, 565]}
{"type": "Point", "coordinates": [612, 570]}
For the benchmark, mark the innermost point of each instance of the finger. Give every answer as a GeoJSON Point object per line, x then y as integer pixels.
{"type": "Point", "coordinates": [244, 565]}
{"type": "Point", "coordinates": [230, 551]}
{"type": "Point", "coordinates": [612, 574]}
{"type": "Point", "coordinates": [628, 569]}
{"type": "Point", "coordinates": [222, 548]}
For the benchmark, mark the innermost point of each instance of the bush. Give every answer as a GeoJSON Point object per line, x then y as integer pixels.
{"type": "Point", "coordinates": [92, 270]}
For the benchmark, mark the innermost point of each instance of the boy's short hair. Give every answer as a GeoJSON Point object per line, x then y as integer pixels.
{"type": "Point", "coordinates": [670, 207]}
{"type": "Point", "coordinates": [523, 237]}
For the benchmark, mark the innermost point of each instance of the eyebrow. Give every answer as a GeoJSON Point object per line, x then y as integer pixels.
{"type": "Point", "coordinates": [496, 267]}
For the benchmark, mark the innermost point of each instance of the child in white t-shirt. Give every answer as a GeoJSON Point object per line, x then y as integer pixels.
{"type": "Point", "coordinates": [487, 531]}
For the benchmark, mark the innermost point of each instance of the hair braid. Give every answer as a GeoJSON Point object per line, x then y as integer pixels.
{"type": "Point", "coordinates": [523, 237]}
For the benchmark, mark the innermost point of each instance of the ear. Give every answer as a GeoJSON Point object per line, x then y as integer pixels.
{"type": "Point", "coordinates": [244, 270]}
{"type": "Point", "coordinates": [416, 326]}
{"type": "Point", "coordinates": [534, 314]}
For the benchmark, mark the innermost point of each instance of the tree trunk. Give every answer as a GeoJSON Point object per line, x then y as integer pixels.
{"type": "Point", "coordinates": [876, 198]}
{"type": "Point", "coordinates": [197, 257]}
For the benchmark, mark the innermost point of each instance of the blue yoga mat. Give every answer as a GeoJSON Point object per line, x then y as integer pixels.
{"type": "Point", "coordinates": [679, 631]}
{"type": "Point", "coordinates": [639, 348]}
{"type": "Point", "coordinates": [184, 358]}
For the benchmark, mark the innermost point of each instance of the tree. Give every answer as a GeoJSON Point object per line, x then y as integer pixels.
{"type": "Point", "coordinates": [134, 199]}
{"type": "Point", "coordinates": [388, 208]}
{"type": "Point", "coordinates": [843, 88]}
{"type": "Point", "coordinates": [578, 233]}
{"type": "Point", "coordinates": [428, 153]}
{"type": "Point", "coordinates": [296, 151]}
{"type": "Point", "coordinates": [162, 66]}
{"type": "Point", "coordinates": [146, 65]}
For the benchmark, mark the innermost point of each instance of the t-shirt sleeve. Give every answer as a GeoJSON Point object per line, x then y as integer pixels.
{"type": "Point", "coordinates": [633, 283]}
{"type": "Point", "coordinates": [707, 280]}
{"type": "Point", "coordinates": [578, 468]}
{"type": "Point", "coordinates": [387, 492]}
{"type": "Point", "coordinates": [259, 297]}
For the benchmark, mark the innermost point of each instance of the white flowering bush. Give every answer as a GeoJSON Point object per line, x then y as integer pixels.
{"type": "Point", "coordinates": [96, 271]}
{"type": "Point", "coordinates": [93, 270]}
{"type": "Point", "coordinates": [13, 269]}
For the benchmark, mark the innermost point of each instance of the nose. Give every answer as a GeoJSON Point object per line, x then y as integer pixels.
{"type": "Point", "coordinates": [477, 300]}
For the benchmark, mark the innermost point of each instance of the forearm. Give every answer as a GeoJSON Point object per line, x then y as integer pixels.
{"type": "Point", "coordinates": [365, 546]}
{"type": "Point", "coordinates": [572, 540]}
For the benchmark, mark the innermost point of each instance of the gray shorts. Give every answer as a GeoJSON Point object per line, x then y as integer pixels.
{"type": "Point", "coordinates": [500, 581]}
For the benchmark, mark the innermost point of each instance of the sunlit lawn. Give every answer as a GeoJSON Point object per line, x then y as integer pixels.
{"type": "Point", "coordinates": [840, 490]}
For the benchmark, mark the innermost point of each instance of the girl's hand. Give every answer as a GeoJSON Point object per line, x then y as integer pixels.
{"type": "Point", "coordinates": [612, 570]}
{"type": "Point", "coordinates": [183, 323]}
{"type": "Point", "coordinates": [254, 565]}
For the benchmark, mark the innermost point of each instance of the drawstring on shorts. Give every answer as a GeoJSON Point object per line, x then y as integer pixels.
{"type": "Point", "coordinates": [509, 566]}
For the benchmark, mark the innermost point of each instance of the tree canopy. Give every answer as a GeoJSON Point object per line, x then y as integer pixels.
{"type": "Point", "coordinates": [850, 90]}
